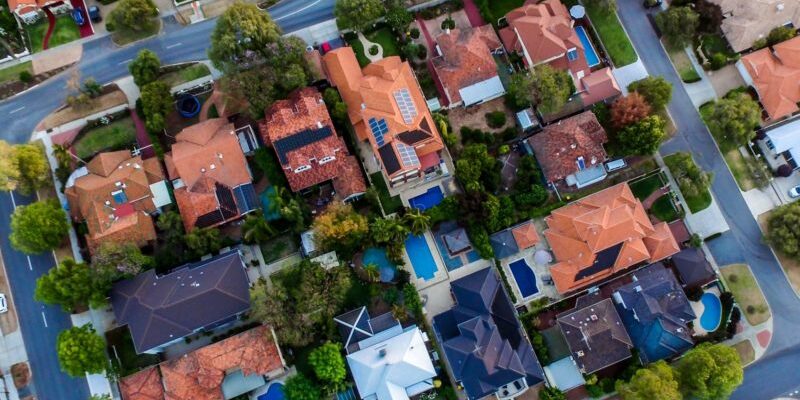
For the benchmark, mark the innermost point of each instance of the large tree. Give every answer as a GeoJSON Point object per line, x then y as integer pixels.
{"type": "Point", "coordinates": [390, 232]}
{"type": "Point", "coordinates": [38, 227]}
{"type": "Point", "coordinates": [157, 102]}
{"type": "Point", "coordinates": [417, 221]}
{"type": "Point", "coordinates": [328, 363]}
{"type": "Point", "coordinates": [643, 137]}
{"type": "Point", "coordinates": [340, 228]}
{"type": "Point", "coordinates": [145, 68]}
{"type": "Point", "coordinates": [202, 241]}
{"type": "Point", "coordinates": [9, 173]}
{"type": "Point", "coordinates": [710, 15]}
{"type": "Point", "coordinates": [112, 260]}
{"type": "Point", "coordinates": [72, 285]}
{"type": "Point", "coordinates": [629, 110]}
{"type": "Point", "coordinates": [256, 229]}
{"type": "Point", "coordinates": [552, 88]}
{"type": "Point", "coordinates": [33, 167]}
{"type": "Point", "coordinates": [129, 14]}
{"type": "Point", "coordinates": [733, 120]}
{"type": "Point", "coordinates": [655, 89]}
{"type": "Point", "coordinates": [357, 15]}
{"type": "Point", "coordinates": [397, 16]}
{"type": "Point", "coordinates": [783, 229]}
{"type": "Point", "coordinates": [81, 350]}
{"type": "Point", "coordinates": [240, 30]}
{"type": "Point", "coordinates": [710, 372]}
{"type": "Point", "coordinates": [298, 387]}
{"type": "Point", "coordinates": [678, 24]}
{"type": "Point", "coordinates": [656, 382]}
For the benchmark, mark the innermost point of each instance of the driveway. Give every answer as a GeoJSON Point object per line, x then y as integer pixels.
{"type": "Point", "coordinates": [743, 243]}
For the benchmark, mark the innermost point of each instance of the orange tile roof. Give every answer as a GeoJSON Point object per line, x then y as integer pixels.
{"type": "Point", "coordinates": [466, 59]}
{"type": "Point", "coordinates": [371, 93]}
{"type": "Point", "coordinates": [775, 75]}
{"type": "Point", "coordinates": [598, 86]}
{"type": "Point", "coordinates": [559, 145]}
{"type": "Point", "coordinates": [525, 235]}
{"type": "Point", "coordinates": [25, 6]}
{"type": "Point", "coordinates": [612, 217]}
{"type": "Point", "coordinates": [143, 385]}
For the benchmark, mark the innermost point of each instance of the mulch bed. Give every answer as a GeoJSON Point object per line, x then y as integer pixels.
{"type": "Point", "coordinates": [11, 88]}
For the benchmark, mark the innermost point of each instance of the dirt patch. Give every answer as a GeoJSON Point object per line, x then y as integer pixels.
{"type": "Point", "coordinates": [11, 88]}
{"type": "Point", "coordinates": [68, 114]}
{"type": "Point", "coordinates": [21, 374]}
{"type": "Point", "coordinates": [725, 79]}
{"type": "Point", "coordinates": [746, 352]}
{"type": "Point", "coordinates": [790, 267]}
{"type": "Point", "coordinates": [475, 117]}
{"type": "Point", "coordinates": [741, 282]}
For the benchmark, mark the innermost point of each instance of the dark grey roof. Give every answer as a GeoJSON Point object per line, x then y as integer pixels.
{"type": "Point", "coordinates": [357, 325]}
{"type": "Point", "coordinates": [693, 267]}
{"type": "Point", "coordinates": [482, 337]}
{"type": "Point", "coordinates": [246, 198]}
{"type": "Point", "coordinates": [389, 158]}
{"type": "Point", "coordinates": [504, 244]}
{"type": "Point", "coordinates": [300, 139]}
{"type": "Point", "coordinates": [413, 137]}
{"type": "Point", "coordinates": [160, 309]}
{"type": "Point", "coordinates": [457, 241]}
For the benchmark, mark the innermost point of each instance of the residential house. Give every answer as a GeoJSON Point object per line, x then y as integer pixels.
{"type": "Point", "coordinates": [655, 312]}
{"type": "Point", "coordinates": [223, 370]}
{"type": "Point", "coordinates": [773, 72]}
{"type": "Point", "coordinates": [602, 235]}
{"type": "Point", "coordinates": [212, 182]}
{"type": "Point", "coordinates": [115, 194]}
{"type": "Point", "coordinates": [300, 131]}
{"type": "Point", "coordinates": [693, 268]}
{"type": "Point", "coordinates": [388, 362]}
{"type": "Point", "coordinates": [387, 109]}
{"type": "Point", "coordinates": [780, 144]}
{"type": "Point", "coordinates": [163, 309]}
{"type": "Point", "coordinates": [572, 151]}
{"type": "Point", "coordinates": [746, 21]}
{"type": "Point", "coordinates": [595, 334]}
{"type": "Point", "coordinates": [465, 66]}
{"type": "Point", "coordinates": [544, 33]}
{"type": "Point", "coordinates": [29, 11]}
{"type": "Point", "coordinates": [483, 341]}
{"type": "Point", "coordinates": [511, 241]}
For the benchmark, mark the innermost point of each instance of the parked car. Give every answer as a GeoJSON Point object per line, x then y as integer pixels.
{"type": "Point", "coordinates": [651, 3]}
{"type": "Point", "coordinates": [77, 16]}
{"type": "Point", "coordinates": [794, 192]}
{"type": "Point", "coordinates": [94, 14]}
{"type": "Point", "coordinates": [3, 303]}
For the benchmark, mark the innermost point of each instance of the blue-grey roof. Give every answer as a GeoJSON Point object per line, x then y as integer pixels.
{"type": "Point", "coordinates": [357, 325]}
{"type": "Point", "coordinates": [504, 244]}
{"type": "Point", "coordinates": [692, 267]}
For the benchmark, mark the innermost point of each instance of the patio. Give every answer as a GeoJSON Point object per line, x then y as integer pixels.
{"type": "Point", "coordinates": [540, 268]}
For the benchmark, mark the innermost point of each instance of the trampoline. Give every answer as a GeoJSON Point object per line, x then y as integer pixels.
{"type": "Point", "coordinates": [188, 106]}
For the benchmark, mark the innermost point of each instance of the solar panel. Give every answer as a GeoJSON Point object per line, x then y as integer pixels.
{"type": "Point", "coordinates": [389, 159]}
{"type": "Point", "coordinates": [407, 154]}
{"type": "Point", "coordinates": [407, 108]}
{"type": "Point", "coordinates": [119, 197]}
{"type": "Point", "coordinates": [300, 139]}
{"type": "Point", "coordinates": [378, 128]}
{"type": "Point", "coordinates": [246, 197]}
{"type": "Point", "coordinates": [603, 261]}
{"type": "Point", "coordinates": [227, 205]}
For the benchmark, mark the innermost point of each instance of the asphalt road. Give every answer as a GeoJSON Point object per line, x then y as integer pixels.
{"type": "Point", "coordinates": [776, 373]}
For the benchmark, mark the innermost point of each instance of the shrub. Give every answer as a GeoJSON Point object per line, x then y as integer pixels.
{"type": "Point", "coordinates": [504, 149]}
{"type": "Point", "coordinates": [414, 33]}
{"type": "Point", "coordinates": [594, 391]}
{"type": "Point", "coordinates": [496, 119]}
{"type": "Point", "coordinates": [718, 60]}
{"type": "Point", "coordinates": [373, 50]}
{"type": "Point", "coordinates": [26, 76]}
{"type": "Point", "coordinates": [422, 52]}
{"type": "Point", "coordinates": [780, 34]}
{"type": "Point", "coordinates": [508, 134]}
{"type": "Point", "coordinates": [448, 23]}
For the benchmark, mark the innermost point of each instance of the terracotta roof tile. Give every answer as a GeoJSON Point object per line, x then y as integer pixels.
{"type": "Point", "coordinates": [598, 86]}
{"type": "Point", "coordinates": [143, 385]}
{"type": "Point", "coordinates": [466, 59]}
{"type": "Point", "coordinates": [559, 145]}
{"type": "Point", "coordinates": [775, 77]}
{"type": "Point", "coordinates": [525, 235]}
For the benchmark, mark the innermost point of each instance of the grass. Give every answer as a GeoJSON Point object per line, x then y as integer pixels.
{"type": "Point", "coordinates": [664, 210]}
{"type": "Point", "coordinates": [383, 36]}
{"type": "Point", "coordinates": [697, 202]}
{"type": "Point", "coordinates": [746, 352]}
{"type": "Point", "coordinates": [499, 8]}
{"type": "Point", "coordinates": [65, 31]}
{"type": "Point", "coordinates": [645, 187]}
{"type": "Point", "coordinates": [715, 43]}
{"type": "Point", "coordinates": [741, 282]}
{"type": "Point", "coordinates": [391, 204]}
{"type": "Point", "coordinates": [614, 38]}
{"type": "Point", "coordinates": [188, 74]}
{"type": "Point", "coordinates": [122, 36]}
{"type": "Point", "coordinates": [736, 164]}
{"type": "Point", "coordinates": [279, 247]}
{"type": "Point", "coordinates": [11, 73]}
{"type": "Point", "coordinates": [682, 64]}
{"type": "Point", "coordinates": [116, 135]}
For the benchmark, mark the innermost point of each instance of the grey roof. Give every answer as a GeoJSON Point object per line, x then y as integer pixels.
{"type": "Point", "coordinates": [160, 309]}
{"type": "Point", "coordinates": [357, 325]}
{"type": "Point", "coordinates": [389, 158]}
{"type": "Point", "coordinates": [457, 241]}
{"type": "Point", "coordinates": [504, 244]}
{"type": "Point", "coordinates": [693, 267]}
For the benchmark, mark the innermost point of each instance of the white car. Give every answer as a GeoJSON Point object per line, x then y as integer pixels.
{"type": "Point", "coordinates": [794, 192]}
{"type": "Point", "coordinates": [3, 303]}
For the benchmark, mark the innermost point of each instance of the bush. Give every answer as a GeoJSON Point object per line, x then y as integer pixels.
{"type": "Point", "coordinates": [26, 76]}
{"type": "Point", "coordinates": [422, 52]}
{"type": "Point", "coordinates": [414, 33]}
{"type": "Point", "coordinates": [718, 60]}
{"type": "Point", "coordinates": [496, 119]}
{"type": "Point", "coordinates": [594, 391]}
{"type": "Point", "coordinates": [448, 23]}
{"type": "Point", "coordinates": [509, 134]}
{"type": "Point", "coordinates": [504, 149]}
{"type": "Point", "coordinates": [373, 50]}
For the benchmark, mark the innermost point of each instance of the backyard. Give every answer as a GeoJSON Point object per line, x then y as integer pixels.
{"type": "Point", "coordinates": [65, 31]}
{"type": "Point", "coordinates": [664, 209]}
{"type": "Point", "coordinates": [615, 40]}
{"type": "Point", "coordinates": [646, 186]}
{"type": "Point", "coordinates": [741, 282]}
{"type": "Point", "coordinates": [391, 204]}
{"type": "Point", "coordinates": [187, 74]}
{"type": "Point", "coordinates": [382, 36]}
{"type": "Point", "coordinates": [682, 64]}
{"type": "Point", "coordinates": [117, 135]}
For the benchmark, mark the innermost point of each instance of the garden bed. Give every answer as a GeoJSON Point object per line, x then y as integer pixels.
{"type": "Point", "coordinates": [384, 36]}
{"type": "Point", "coordinates": [695, 202]}
{"type": "Point", "coordinates": [615, 40]}
{"type": "Point", "coordinates": [11, 73]}
{"type": "Point", "coordinates": [117, 135]}
{"type": "Point", "coordinates": [112, 97]}
{"type": "Point", "coordinates": [682, 64]}
{"type": "Point", "coordinates": [739, 279]}
{"type": "Point", "coordinates": [391, 204]}
{"type": "Point", "coordinates": [65, 31]}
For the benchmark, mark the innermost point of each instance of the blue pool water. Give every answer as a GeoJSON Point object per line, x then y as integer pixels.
{"type": "Point", "coordinates": [588, 49]}
{"type": "Point", "coordinates": [266, 199]}
{"type": "Point", "coordinates": [712, 311]}
{"type": "Point", "coordinates": [275, 392]}
{"type": "Point", "coordinates": [421, 258]}
{"type": "Point", "coordinates": [377, 256]}
{"type": "Point", "coordinates": [428, 199]}
{"type": "Point", "coordinates": [526, 279]}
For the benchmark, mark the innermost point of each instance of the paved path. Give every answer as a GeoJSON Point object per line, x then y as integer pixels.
{"type": "Point", "coordinates": [368, 45]}
{"type": "Point", "coordinates": [51, 24]}
{"type": "Point", "coordinates": [474, 15]}
{"type": "Point", "coordinates": [648, 202]}
{"type": "Point", "coordinates": [768, 377]}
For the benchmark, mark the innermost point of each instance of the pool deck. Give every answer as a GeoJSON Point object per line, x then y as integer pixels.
{"type": "Point", "coordinates": [538, 270]}
{"type": "Point", "coordinates": [698, 308]}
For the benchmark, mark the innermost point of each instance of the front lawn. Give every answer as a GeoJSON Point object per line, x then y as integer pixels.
{"type": "Point", "coordinates": [122, 36]}
{"type": "Point", "coordinates": [696, 194]}
{"type": "Point", "coordinates": [117, 135]}
{"type": "Point", "coordinates": [644, 187]}
{"type": "Point", "coordinates": [746, 352]}
{"type": "Point", "coordinates": [682, 64]}
{"type": "Point", "coordinates": [65, 31]}
{"type": "Point", "coordinates": [391, 204]}
{"type": "Point", "coordinates": [11, 73]}
{"type": "Point", "coordinates": [382, 36]}
{"type": "Point", "coordinates": [664, 210]}
{"type": "Point", "coordinates": [187, 74]}
{"type": "Point", "coordinates": [614, 38]}
{"type": "Point", "coordinates": [741, 282]}
{"type": "Point", "coordinates": [499, 8]}
{"type": "Point", "coordinates": [715, 43]}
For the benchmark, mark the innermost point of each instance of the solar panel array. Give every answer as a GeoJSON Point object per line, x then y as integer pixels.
{"type": "Point", "coordinates": [407, 154]}
{"type": "Point", "coordinates": [379, 129]}
{"type": "Point", "coordinates": [406, 105]}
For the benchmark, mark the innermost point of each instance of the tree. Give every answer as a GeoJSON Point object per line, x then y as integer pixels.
{"type": "Point", "coordinates": [551, 87]}
{"type": "Point", "coordinates": [691, 179]}
{"type": "Point", "coordinates": [357, 15]}
{"type": "Point", "coordinates": [157, 102]}
{"type": "Point", "coordinates": [390, 232]}
{"type": "Point", "coordinates": [678, 24]}
{"type": "Point", "coordinates": [336, 107]}
{"type": "Point", "coordinates": [551, 393]}
{"type": "Point", "coordinates": [341, 229]}
{"type": "Point", "coordinates": [171, 225]}
{"type": "Point", "coordinates": [417, 221]}
{"type": "Point", "coordinates": [290, 208]}
{"type": "Point", "coordinates": [129, 14]}
{"type": "Point", "coordinates": [81, 350]}
{"type": "Point", "coordinates": [71, 285]}
{"type": "Point", "coordinates": [655, 90]}
{"type": "Point", "coordinates": [780, 34]}
{"type": "Point", "coordinates": [9, 172]}
{"type": "Point", "coordinates": [629, 110]}
{"type": "Point", "coordinates": [397, 16]}
{"type": "Point", "coordinates": [733, 120]}
{"type": "Point", "coordinates": [656, 382]}
{"type": "Point", "coordinates": [112, 260]}
{"type": "Point", "coordinates": [256, 229]}
{"type": "Point", "coordinates": [298, 387]}
{"type": "Point", "coordinates": [202, 241]}
{"type": "Point", "coordinates": [709, 372]}
{"type": "Point", "coordinates": [643, 137]}
{"type": "Point", "coordinates": [33, 167]}
{"type": "Point", "coordinates": [784, 229]}
{"type": "Point", "coordinates": [371, 272]}
{"type": "Point", "coordinates": [38, 227]}
{"type": "Point", "coordinates": [328, 363]}
{"type": "Point", "coordinates": [520, 91]}
{"type": "Point", "coordinates": [145, 68]}
{"type": "Point", "coordinates": [710, 15]}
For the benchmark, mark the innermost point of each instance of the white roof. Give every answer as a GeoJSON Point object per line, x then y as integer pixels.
{"type": "Point", "coordinates": [564, 374]}
{"type": "Point", "coordinates": [307, 241]}
{"type": "Point", "coordinates": [160, 194]}
{"type": "Point", "coordinates": [482, 91]}
{"type": "Point", "coordinates": [785, 137]}
{"type": "Point", "coordinates": [393, 369]}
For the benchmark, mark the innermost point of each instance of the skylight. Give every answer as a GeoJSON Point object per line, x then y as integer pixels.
{"type": "Point", "coordinates": [406, 105]}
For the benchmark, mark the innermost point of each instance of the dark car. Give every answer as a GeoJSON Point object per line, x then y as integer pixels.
{"type": "Point", "coordinates": [77, 16]}
{"type": "Point", "coordinates": [94, 14]}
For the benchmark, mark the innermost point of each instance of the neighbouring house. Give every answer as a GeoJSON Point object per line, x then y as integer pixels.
{"type": "Point", "coordinates": [780, 144]}
{"type": "Point", "coordinates": [693, 268]}
{"type": "Point", "coordinates": [388, 110]}
{"type": "Point", "coordinates": [116, 194]}
{"type": "Point", "coordinates": [544, 33]}
{"type": "Point", "coordinates": [572, 151]}
{"type": "Point", "coordinates": [602, 235]}
{"type": "Point", "coordinates": [655, 312]}
{"type": "Point", "coordinates": [224, 370]}
{"type": "Point", "coordinates": [595, 334]}
{"type": "Point", "coordinates": [465, 66]}
{"type": "Point", "coordinates": [388, 362]}
{"type": "Point", "coordinates": [483, 341]}
{"type": "Point", "coordinates": [773, 73]}
{"type": "Point", "coordinates": [29, 11]}
{"type": "Point", "coordinates": [212, 182]}
{"type": "Point", "coordinates": [163, 309]}
{"type": "Point", "coordinates": [746, 21]}
{"type": "Point", "coordinates": [300, 131]}
{"type": "Point", "coordinates": [511, 241]}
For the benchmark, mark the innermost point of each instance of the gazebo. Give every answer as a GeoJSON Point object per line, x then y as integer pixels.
{"type": "Point", "coordinates": [504, 244]}
{"type": "Point", "coordinates": [457, 241]}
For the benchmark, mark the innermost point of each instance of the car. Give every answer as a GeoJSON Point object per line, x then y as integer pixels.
{"type": "Point", "coordinates": [794, 192]}
{"type": "Point", "coordinates": [77, 16]}
{"type": "Point", "coordinates": [3, 303]}
{"type": "Point", "coordinates": [326, 47]}
{"type": "Point", "coordinates": [94, 14]}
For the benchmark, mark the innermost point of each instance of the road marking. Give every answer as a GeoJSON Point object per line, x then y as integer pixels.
{"type": "Point", "coordinates": [30, 265]}
{"type": "Point", "coordinates": [44, 319]}
{"type": "Point", "coordinates": [174, 45]}
{"type": "Point", "coordinates": [297, 11]}
{"type": "Point", "coordinates": [17, 110]}
{"type": "Point", "coordinates": [125, 62]}
{"type": "Point", "coordinates": [13, 203]}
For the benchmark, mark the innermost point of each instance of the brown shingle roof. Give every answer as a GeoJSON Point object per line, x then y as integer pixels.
{"type": "Point", "coordinates": [775, 77]}
{"type": "Point", "coordinates": [559, 145]}
{"type": "Point", "coordinates": [466, 59]}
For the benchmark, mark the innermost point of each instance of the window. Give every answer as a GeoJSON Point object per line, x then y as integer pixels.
{"type": "Point", "coordinates": [119, 196]}
{"type": "Point", "coordinates": [407, 108]}
{"type": "Point", "coordinates": [572, 54]}
{"type": "Point", "coordinates": [302, 168]}
{"type": "Point", "coordinates": [326, 159]}
{"type": "Point", "coordinates": [407, 154]}
{"type": "Point", "coordinates": [770, 145]}
{"type": "Point", "coordinates": [378, 128]}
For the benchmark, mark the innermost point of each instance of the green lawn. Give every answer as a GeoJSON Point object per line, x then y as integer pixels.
{"type": "Point", "coordinates": [123, 36]}
{"type": "Point", "coordinates": [65, 31]}
{"type": "Point", "coordinates": [190, 73]}
{"type": "Point", "coordinates": [610, 30]}
{"type": "Point", "coordinates": [697, 202]}
{"type": "Point", "coordinates": [390, 204]}
{"type": "Point", "coordinates": [117, 135]}
{"type": "Point", "coordinates": [499, 8]}
{"type": "Point", "coordinates": [383, 36]}
{"type": "Point", "coordinates": [11, 73]}
{"type": "Point", "coordinates": [123, 354]}
{"type": "Point", "coordinates": [664, 210]}
{"type": "Point", "coordinates": [682, 64]}
{"type": "Point", "coordinates": [644, 187]}
{"type": "Point", "coordinates": [745, 290]}
{"type": "Point", "coordinates": [715, 44]}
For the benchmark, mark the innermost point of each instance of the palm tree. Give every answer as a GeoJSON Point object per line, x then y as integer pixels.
{"type": "Point", "coordinates": [290, 209]}
{"type": "Point", "coordinates": [417, 221]}
{"type": "Point", "coordinates": [372, 273]}
{"type": "Point", "coordinates": [256, 229]}
{"type": "Point", "coordinates": [62, 155]}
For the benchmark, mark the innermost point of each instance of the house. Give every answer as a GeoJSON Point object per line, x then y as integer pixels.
{"type": "Point", "coordinates": [208, 170]}
{"type": "Point", "coordinates": [224, 370]}
{"type": "Point", "coordinates": [595, 334]}
{"type": "Point", "coordinates": [511, 241]}
{"type": "Point", "coordinates": [483, 342]}
{"type": "Point", "coordinates": [300, 131]}
{"type": "Point", "coordinates": [388, 362]}
{"type": "Point", "coordinates": [115, 194]}
{"type": "Point", "coordinates": [773, 72]}
{"type": "Point", "coordinates": [693, 268]}
{"type": "Point", "coordinates": [465, 66]}
{"type": "Point", "coordinates": [655, 312]}
{"type": "Point", "coordinates": [780, 143]}
{"type": "Point", "coordinates": [544, 33]}
{"type": "Point", "coordinates": [601, 235]}
{"type": "Point", "coordinates": [746, 21]}
{"type": "Point", "coordinates": [29, 11]}
{"type": "Point", "coordinates": [572, 151]}
{"type": "Point", "coordinates": [387, 109]}
{"type": "Point", "coordinates": [162, 310]}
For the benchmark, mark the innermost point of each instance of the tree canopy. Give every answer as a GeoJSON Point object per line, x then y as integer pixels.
{"type": "Point", "coordinates": [72, 285]}
{"type": "Point", "coordinates": [157, 102]}
{"type": "Point", "coordinates": [397, 16]}
{"type": "Point", "coordinates": [710, 15]}
{"type": "Point", "coordinates": [655, 89]}
{"type": "Point", "coordinates": [145, 68]}
{"type": "Point", "coordinates": [112, 260]}
{"type": "Point", "coordinates": [340, 228]}
{"type": "Point", "coordinates": [298, 387]}
{"type": "Point", "coordinates": [9, 173]}
{"type": "Point", "coordinates": [23, 167]}
{"type": "Point", "coordinates": [643, 137]}
{"type": "Point", "coordinates": [38, 227]}
{"type": "Point", "coordinates": [784, 229]}
{"type": "Point", "coordinates": [709, 372]}
{"type": "Point", "coordinates": [734, 119]}
{"type": "Point", "coordinates": [678, 24]}
{"type": "Point", "coordinates": [242, 32]}
{"type": "Point", "coordinates": [129, 14]}
{"type": "Point", "coordinates": [357, 15]}
{"type": "Point", "coordinates": [328, 363]}
{"type": "Point", "coordinates": [656, 382]}
{"type": "Point", "coordinates": [546, 87]}
{"type": "Point", "coordinates": [629, 110]}
{"type": "Point", "coordinates": [81, 350]}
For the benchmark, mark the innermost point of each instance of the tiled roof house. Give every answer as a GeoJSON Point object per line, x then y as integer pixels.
{"type": "Point", "coordinates": [115, 195]}
{"type": "Point", "coordinates": [465, 66]}
{"type": "Point", "coordinates": [602, 234]}
{"type": "Point", "coordinates": [210, 175]}
{"type": "Point", "coordinates": [746, 21]}
{"type": "Point", "coordinates": [544, 33]}
{"type": "Point", "coordinates": [483, 341]}
{"type": "Point", "coordinates": [572, 150]}
{"type": "Point", "coordinates": [143, 385]}
{"type": "Point", "coordinates": [29, 10]}
{"type": "Point", "coordinates": [300, 131]}
{"type": "Point", "coordinates": [693, 268]}
{"type": "Point", "coordinates": [655, 311]}
{"type": "Point", "coordinates": [774, 74]}
{"type": "Point", "coordinates": [387, 109]}
{"type": "Point", "coordinates": [511, 241]}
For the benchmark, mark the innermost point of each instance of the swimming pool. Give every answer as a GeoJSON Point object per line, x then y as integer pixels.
{"type": "Point", "coordinates": [526, 279]}
{"type": "Point", "coordinates": [427, 200]}
{"type": "Point", "coordinates": [266, 199]}
{"type": "Point", "coordinates": [274, 392]}
{"type": "Point", "coordinates": [588, 49]}
{"type": "Point", "coordinates": [374, 255]}
{"type": "Point", "coordinates": [421, 258]}
{"type": "Point", "coordinates": [712, 311]}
